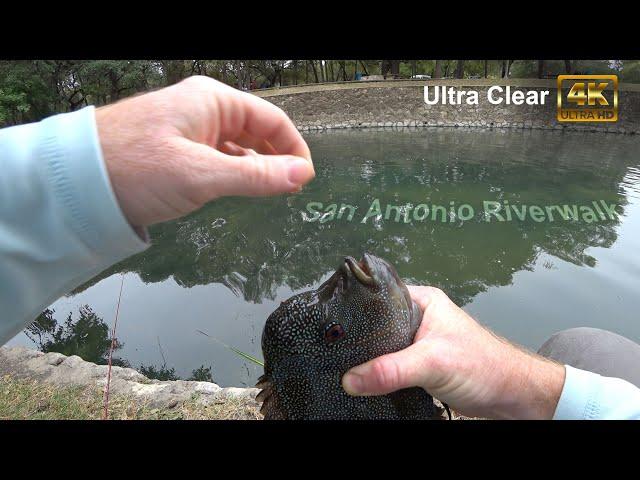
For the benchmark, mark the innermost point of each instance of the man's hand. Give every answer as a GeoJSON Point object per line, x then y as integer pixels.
{"type": "Point", "coordinates": [461, 363]}
{"type": "Point", "coordinates": [170, 151]}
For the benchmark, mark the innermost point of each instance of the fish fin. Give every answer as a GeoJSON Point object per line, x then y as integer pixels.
{"type": "Point", "coordinates": [263, 381]}
{"type": "Point", "coordinates": [270, 406]}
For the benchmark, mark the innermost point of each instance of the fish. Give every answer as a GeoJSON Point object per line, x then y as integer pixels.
{"type": "Point", "coordinates": [362, 311]}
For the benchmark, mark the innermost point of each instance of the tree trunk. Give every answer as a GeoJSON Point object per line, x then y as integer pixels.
{"type": "Point", "coordinates": [315, 70]}
{"type": "Point", "coordinates": [364, 68]}
{"type": "Point", "coordinates": [437, 70]}
{"type": "Point", "coordinates": [395, 68]}
{"type": "Point", "coordinates": [568, 66]}
{"type": "Point", "coordinates": [460, 69]}
{"type": "Point", "coordinates": [540, 68]}
{"type": "Point", "coordinates": [504, 69]}
{"type": "Point", "coordinates": [174, 71]}
{"type": "Point", "coordinates": [392, 66]}
{"type": "Point", "coordinates": [239, 74]}
{"type": "Point", "coordinates": [486, 68]}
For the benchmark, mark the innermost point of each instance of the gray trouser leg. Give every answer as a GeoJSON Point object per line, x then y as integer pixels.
{"type": "Point", "coordinates": [595, 350]}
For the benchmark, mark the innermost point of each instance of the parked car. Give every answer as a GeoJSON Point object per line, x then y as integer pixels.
{"type": "Point", "coordinates": [421, 77]}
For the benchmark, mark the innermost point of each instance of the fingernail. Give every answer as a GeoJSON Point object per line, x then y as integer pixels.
{"type": "Point", "coordinates": [299, 171]}
{"type": "Point", "coordinates": [353, 383]}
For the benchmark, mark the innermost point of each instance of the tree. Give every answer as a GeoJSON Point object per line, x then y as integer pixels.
{"type": "Point", "coordinates": [158, 373]}
{"type": "Point", "coordinates": [437, 70]}
{"type": "Point", "coordinates": [314, 69]}
{"type": "Point", "coordinates": [631, 71]}
{"type": "Point", "coordinates": [390, 66]}
{"type": "Point", "coordinates": [568, 66]}
{"type": "Point", "coordinates": [364, 68]}
{"type": "Point", "coordinates": [201, 374]}
{"type": "Point", "coordinates": [29, 91]}
{"type": "Point", "coordinates": [272, 70]}
{"type": "Point", "coordinates": [506, 68]}
{"type": "Point", "coordinates": [106, 81]}
{"type": "Point", "coordinates": [87, 336]}
{"type": "Point", "coordinates": [174, 70]}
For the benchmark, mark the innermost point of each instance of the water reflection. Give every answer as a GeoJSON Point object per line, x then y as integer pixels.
{"type": "Point", "coordinates": [224, 268]}
{"type": "Point", "coordinates": [255, 246]}
{"type": "Point", "coordinates": [88, 337]}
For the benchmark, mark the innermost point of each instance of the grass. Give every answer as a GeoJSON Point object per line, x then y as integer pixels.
{"type": "Point", "coordinates": [33, 400]}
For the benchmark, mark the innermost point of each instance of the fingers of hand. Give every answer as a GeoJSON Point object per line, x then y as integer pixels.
{"type": "Point", "coordinates": [235, 114]}
{"type": "Point", "coordinates": [424, 296]}
{"type": "Point", "coordinates": [231, 148]}
{"type": "Point", "coordinates": [213, 173]}
{"type": "Point", "coordinates": [388, 373]}
{"type": "Point", "coordinates": [251, 116]}
{"type": "Point", "coordinates": [247, 141]}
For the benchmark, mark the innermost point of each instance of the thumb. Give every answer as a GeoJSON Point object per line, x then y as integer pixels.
{"type": "Point", "coordinates": [388, 373]}
{"type": "Point", "coordinates": [251, 174]}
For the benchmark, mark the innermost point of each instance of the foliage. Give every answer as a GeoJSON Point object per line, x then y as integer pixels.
{"type": "Point", "coordinates": [158, 373]}
{"type": "Point", "coordinates": [87, 336]}
{"type": "Point", "coordinates": [201, 374]}
{"type": "Point", "coordinates": [631, 71]}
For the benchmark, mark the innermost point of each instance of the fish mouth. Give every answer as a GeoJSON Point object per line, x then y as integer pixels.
{"type": "Point", "coordinates": [372, 271]}
{"type": "Point", "coordinates": [360, 269]}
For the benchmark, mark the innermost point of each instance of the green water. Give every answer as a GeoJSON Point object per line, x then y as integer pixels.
{"type": "Point", "coordinates": [223, 269]}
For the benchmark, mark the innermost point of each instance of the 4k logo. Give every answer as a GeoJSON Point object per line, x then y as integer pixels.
{"type": "Point", "coordinates": [587, 98]}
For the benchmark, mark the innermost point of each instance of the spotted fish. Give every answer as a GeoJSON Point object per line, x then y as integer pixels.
{"type": "Point", "coordinates": [363, 311]}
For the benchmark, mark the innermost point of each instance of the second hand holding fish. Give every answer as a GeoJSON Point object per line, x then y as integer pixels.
{"type": "Point", "coordinates": [460, 362]}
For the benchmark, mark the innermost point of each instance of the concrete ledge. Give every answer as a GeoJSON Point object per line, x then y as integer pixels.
{"type": "Point", "coordinates": [412, 125]}
{"type": "Point", "coordinates": [55, 368]}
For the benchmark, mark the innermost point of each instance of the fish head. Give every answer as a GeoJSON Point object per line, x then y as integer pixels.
{"type": "Point", "coordinates": [362, 311]}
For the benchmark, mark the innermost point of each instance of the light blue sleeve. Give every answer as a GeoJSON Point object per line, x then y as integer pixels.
{"type": "Point", "coordinates": [60, 222]}
{"type": "Point", "coordinates": [589, 396]}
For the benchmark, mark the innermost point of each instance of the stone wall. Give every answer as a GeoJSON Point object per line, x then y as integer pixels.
{"type": "Point", "coordinates": [58, 369]}
{"type": "Point", "coordinates": [400, 103]}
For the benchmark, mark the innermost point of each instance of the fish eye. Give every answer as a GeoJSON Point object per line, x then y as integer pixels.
{"type": "Point", "coordinates": [333, 333]}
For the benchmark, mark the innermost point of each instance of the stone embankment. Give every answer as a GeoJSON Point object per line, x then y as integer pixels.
{"type": "Point", "coordinates": [58, 369]}
{"type": "Point", "coordinates": [400, 104]}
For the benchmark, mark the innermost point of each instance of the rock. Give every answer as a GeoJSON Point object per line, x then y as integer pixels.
{"type": "Point", "coordinates": [54, 358]}
{"type": "Point", "coordinates": [55, 368]}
